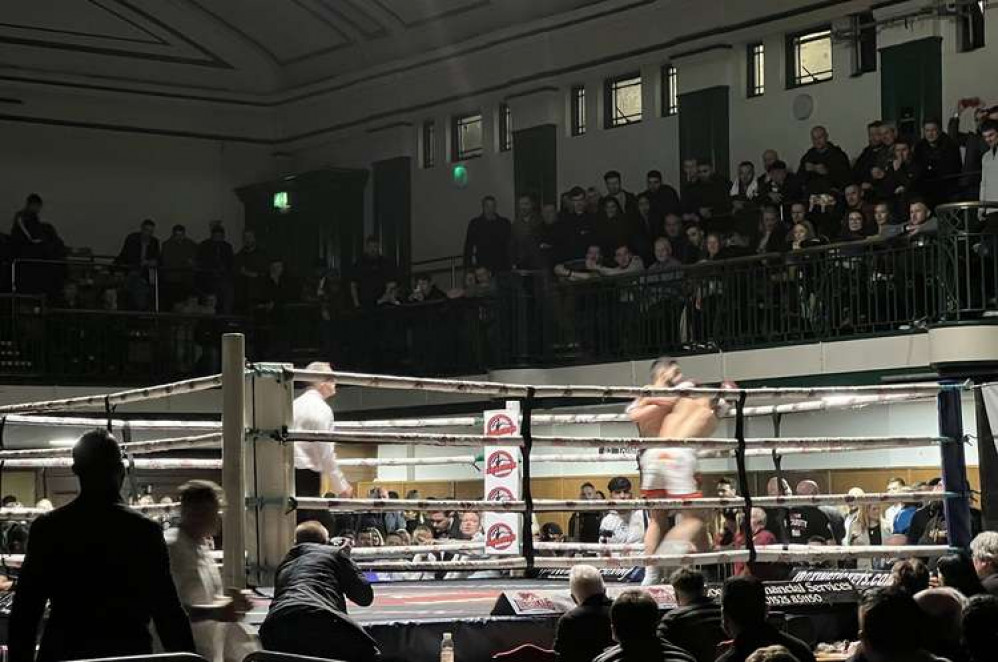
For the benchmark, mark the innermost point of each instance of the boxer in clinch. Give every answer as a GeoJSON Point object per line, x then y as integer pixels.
{"type": "Point", "coordinates": [671, 473]}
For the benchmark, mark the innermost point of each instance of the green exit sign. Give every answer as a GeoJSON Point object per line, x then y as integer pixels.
{"type": "Point", "coordinates": [282, 202]}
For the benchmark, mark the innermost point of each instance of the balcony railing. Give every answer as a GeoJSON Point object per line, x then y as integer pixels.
{"type": "Point", "coordinates": [823, 293]}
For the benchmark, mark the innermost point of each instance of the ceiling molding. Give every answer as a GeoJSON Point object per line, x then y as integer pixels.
{"type": "Point", "coordinates": [457, 11]}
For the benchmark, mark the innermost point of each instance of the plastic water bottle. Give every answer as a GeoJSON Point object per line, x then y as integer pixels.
{"type": "Point", "coordinates": [447, 648]}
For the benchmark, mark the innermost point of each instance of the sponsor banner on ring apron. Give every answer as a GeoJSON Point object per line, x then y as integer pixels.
{"type": "Point", "coordinates": [502, 481]}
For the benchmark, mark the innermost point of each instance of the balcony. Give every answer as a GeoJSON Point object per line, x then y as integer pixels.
{"type": "Point", "coordinates": [825, 293]}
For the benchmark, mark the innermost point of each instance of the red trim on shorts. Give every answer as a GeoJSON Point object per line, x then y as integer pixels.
{"type": "Point", "coordinates": [665, 494]}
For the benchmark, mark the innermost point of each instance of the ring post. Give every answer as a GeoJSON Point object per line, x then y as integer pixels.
{"type": "Point", "coordinates": [233, 465]}
{"type": "Point", "coordinates": [526, 432]}
{"type": "Point", "coordinates": [954, 465]}
{"type": "Point", "coordinates": [743, 484]}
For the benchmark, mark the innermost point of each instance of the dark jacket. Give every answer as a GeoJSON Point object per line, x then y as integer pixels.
{"type": "Point", "coordinates": [990, 584]}
{"type": "Point", "coordinates": [696, 628]}
{"type": "Point", "coordinates": [760, 637]}
{"type": "Point", "coordinates": [664, 201]}
{"type": "Point", "coordinates": [584, 632]}
{"type": "Point", "coordinates": [837, 163]}
{"type": "Point", "coordinates": [974, 149]}
{"type": "Point", "coordinates": [575, 233]}
{"type": "Point", "coordinates": [215, 257]}
{"type": "Point", "coordinates": [653, 650]}
{"type": "Point", "coordinates": [525, 244]}
{"type": "Point", "coordinates": [131, 251]}
{"type": "Point", "coordinates": [940, 165]}
{"type": "Point", "coordinates": [104, 570]}
{"type": "Point", "coordinates": [870, 156]}
{"type": "Point", "coordinates": [318, 578]}
{"type": "Point", "coordinates": [486, 244]}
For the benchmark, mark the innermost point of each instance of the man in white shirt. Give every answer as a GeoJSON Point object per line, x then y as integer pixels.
{"type": "Point", "coordinates": [316, 469]}
{"type": "Point", "coordinates": [199, 584]}
{"type": "Point", "coordinates": [989, 164]}
{"type": "Point", "coordinates": [623, 527]}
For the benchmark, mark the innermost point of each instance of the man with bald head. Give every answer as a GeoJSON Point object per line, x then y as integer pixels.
{"type": "Point", "coordinates": [808, 522]}
{"type": "Point", "coordinates": [836, 520]}
{"type": "Point", "coordinates": [944, 607]}
{"type": "Point", "coordinates": [102, 568]}
{"type": "Point", "coordinates": [316, 469]}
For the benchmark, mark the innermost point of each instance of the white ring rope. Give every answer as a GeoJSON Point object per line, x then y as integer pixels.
{"type": "Point", "coordinates": [562, 505]}
{"type": "Point", "coordinates": [825, 404]}
{"type": "Point", "coordinates": [137, 424]}
{"type": "Point", "coordinates": [211, 440]}
{"type": "Point", "coordinates": [391, 505]}
{"type": "Point", "coordinates": [118, 398]}
{"type": "Point", "coordinates": [425, 438]}
{"type": "Point", "coordinates": [503, 390]}
{"type": "Point", "coordinates": [160, 464]}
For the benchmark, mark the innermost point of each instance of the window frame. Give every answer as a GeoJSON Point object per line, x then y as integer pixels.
{"type": "Point", "coordinates": [755, 72]}
{"type": "Point", "coordinates": [457, 123]}
{"type": "Point", "coordinates": [791, 55]}
{"type": "Point", "coordinates": [577, 110]}
{"type": "Point", "coordinates": [864, 43]}
{"type": "Point", "coordinates": [610, 87]}
{"type": "Point", "coordinates": [429, 138]}
{"type": "Point", "coordinates": [505, 128]}
{"type": "Point", "coordinates": [670, 90]}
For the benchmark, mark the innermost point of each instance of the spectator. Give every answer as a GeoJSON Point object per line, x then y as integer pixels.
{"type": "Point", "coordinates": [276, 290]}
{"type": "Point", "coordinates": [664, 259]}
{"type": "Point", "coordinates": [552, 532]}
{"type": "Point", "coordinates": [889, 628]}
{"type": "Point", "coordinates": [371, 275]}
{"type": "Point", "coordinates": [214, 263]}
{"type": "Point", "coordinates": [809, 522]}
{"type": "Point", "coordinates": [178, 256]}
{"type": "Point", "coordinates": [524, 235]}
{"type": "Point", "coordinates": [426, 290]}
{"type": "Point", "coordinates": [714, 247]}
{"type": "Point", "coordinates": [989, 162]}
{"type": "Point", "coordinates": [980, 628]}
{"type": "Point", "coordinates": [445, 524]}
{"type": "Point", "coordinates": [760, 536]}
{"type": "Point", "coordinates": [824, 167]}
{"type": "Point", "coordinates": [886, 227]}
{"type": "Point", "coordinates": [547, 235]}
{"type": "Point", "coordinates": [584, 269]}
{"type": "Point", "coordinates": [583, 526]}
{"type": "Point", "coordinates": [909, 576]}
{"type": "Point", "coordinates": [781, 187]}
{"type": "Point", "coordinates": [614, 228]}
{"type": "Point", "coordinates": [594, 201]}
{"type": "Point", "coordinates": [625, 526]}
{"type": "Point", "coordinates": [937, 158]}
{"type": "Point", "coordinates": [626, 200]}
{"type": "Point", "coordinates": [888, 136]}
{"type": "Point", "coordinates": [27, 227]}
{"type": "Point", "coordinates": [944, 609]}
{"type": "Point", "coordinates": [984, 551]}
{"type": "Point", "coordinates": [921, 220]}
{"type": "Point", "coordinates": [98, 532]}
{"type": "Point", "coordinates": [695, 238]}
{"type": "Point", "coordinates": [972, 142]}
{"type": "Point", "coordinates": [772, 233]}
{"type": "Point", "coordinates": [899, 179]}
{"type": "Point", "coordinates": [957, 571]}
{"type": "Point", "coordinates": [471, 526]}
{"type": "Point", "coordinates": [802, 235]}
{"type": "Point", "coordinates": [33, 239]}
{"type": "Point", "coordinates": [634, 617]}
{"type": "Point", "coordinates": [138, 255]}
{"type": "Point", "coordinates": [855, 227]}
{"type": "Point", "coordinates": [863, 525]}
{"type": "Point", "coordinates": [624, 262]}
{"type": "Point", "coordinates": [370, 537]}
{"type": "Point", "coordinates": [852, 196]}
{"type": "Point", "coordinates": [251, 269]}
{"type": "Point", "coordinates": [723, 527]}
{"type": "Point", "coordinates": [648, 224]}
{"type": "Point", "coordinates": [744, 611]}
{"type": "Point", "coordinates": [674, 232]}
{"type": "Point", "coordinates": [664, 199]}
{"type": "Point", "coordinates": [708, 197]}
{"type": "Point", "coordinates": [776, 518]}
{"type": "Point", "coordinates": [689, 177]}
{"type": "Point", "coordinates": [308, 615]}
{"type": "Point", "coordinates": [195, 573]}
{"type": "Point", "coordinates": [871, 155]}
{"type": "Point", "coordinates": [746, 187]}
{"type": "Point", "coordinates": [772, 654]}
{"type": "Point", "coordinates": [928, 523]}
{"type": "Point", "coordinates": [695, 624]}
{"type": "Point", "coordinates": [486, 243]}
{"type": "Point", "coordinates": [584, 632]}
{"type": "Point", "coordinates": [577, 231]}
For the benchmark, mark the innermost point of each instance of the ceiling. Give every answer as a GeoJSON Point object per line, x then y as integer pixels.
{"type": "Point", "coordinates": [248, 46]}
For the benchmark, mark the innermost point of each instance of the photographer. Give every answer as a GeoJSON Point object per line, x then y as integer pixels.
{"type": "Point", "coordinates": [308, 615]}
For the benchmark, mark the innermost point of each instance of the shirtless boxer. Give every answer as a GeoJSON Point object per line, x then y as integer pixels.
{"type": "Point", "coordinates": [672, 472]}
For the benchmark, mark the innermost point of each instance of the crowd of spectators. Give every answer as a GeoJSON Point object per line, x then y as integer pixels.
{"type": "Point", "coordinates": [887, 192]}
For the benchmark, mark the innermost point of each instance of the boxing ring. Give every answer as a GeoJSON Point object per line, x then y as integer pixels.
{"type": "Point", "coordinates": [254, 438]}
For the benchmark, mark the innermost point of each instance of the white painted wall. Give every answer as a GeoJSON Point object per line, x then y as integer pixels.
{"type": "Point", "coordinates": [99, 185]}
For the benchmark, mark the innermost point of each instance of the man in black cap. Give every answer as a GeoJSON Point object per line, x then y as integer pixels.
{"type": "Point", "coordinates": [624, 526]}
{"type": "Point", "coordinates": [103, 569]}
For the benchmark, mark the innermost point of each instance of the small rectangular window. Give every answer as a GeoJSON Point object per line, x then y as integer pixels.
{"type": "Point", "coordinates": [970, 24]}
{"type": "Point", "coordinates": [505, 128]}
{"type": "Point", "coordinates": [864, 44]}
{"type": "Point", "coordinates": [756, 70]}
{"type": "Point", "coordinates": [578, 102]}
{"type": "Point", "coordinates": [623, 100]}
{"type": "Point", "coordinates": [670, 90]}
{"type": "Point", "coordinates": [429, 144]}
{"type": "Point", "coordinates": [467, 139]}
{"type": "Point", "coordinates": [809, 57]}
